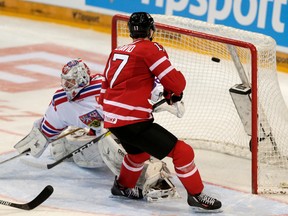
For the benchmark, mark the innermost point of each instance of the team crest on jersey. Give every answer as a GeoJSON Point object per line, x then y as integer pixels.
{"type": "Point", "coordinates": [92, 119]}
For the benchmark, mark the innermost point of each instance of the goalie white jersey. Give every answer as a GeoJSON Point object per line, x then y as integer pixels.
{"type": "Point", "coordinates": [83, 111]}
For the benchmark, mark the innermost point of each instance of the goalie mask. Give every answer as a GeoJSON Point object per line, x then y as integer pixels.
{"type": "Point", "coordinates": [140, 24]}
{"type": "Point", "coordinates": [74, 77]}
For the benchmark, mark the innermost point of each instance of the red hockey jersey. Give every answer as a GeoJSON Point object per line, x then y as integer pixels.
{"type": "Point", "coordinates": [129, 78]}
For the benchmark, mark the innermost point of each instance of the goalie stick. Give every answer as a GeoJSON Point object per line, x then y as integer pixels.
{"type": "Point", "coordinates": [42, 196]}
{"type": "Point", "coordinates": [16, 156]}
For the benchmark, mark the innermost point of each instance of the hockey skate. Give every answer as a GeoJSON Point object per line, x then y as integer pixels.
{"type": "Point", "coordinates": [131, 193]}
{"type": "Point", "coordinates": [204, 203]}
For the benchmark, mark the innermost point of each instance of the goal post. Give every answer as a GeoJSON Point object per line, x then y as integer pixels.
{"type": "Point", "coordinates": [232, 97]}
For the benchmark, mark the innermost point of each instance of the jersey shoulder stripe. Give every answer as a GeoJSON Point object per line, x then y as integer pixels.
{"type": "Point", "coordinates": [92, 90]}
{"type": "Point", "coordinates": [59, 97]}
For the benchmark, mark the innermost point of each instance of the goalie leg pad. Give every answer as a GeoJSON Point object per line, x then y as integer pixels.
{"type": "Point", "coordinates": [112, 153]}
{"type": "Point", "coordinates": [164, 189]}
{"type": "Point", "coordinates": [88, 158]}
{"type": "Point", "coordinates": [155, 181]}
{"type": "Point", "coordinates": [58, 149]}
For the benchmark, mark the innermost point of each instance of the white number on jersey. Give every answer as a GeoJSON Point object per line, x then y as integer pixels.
{"type": "Point", "coordinates": [124, 59]}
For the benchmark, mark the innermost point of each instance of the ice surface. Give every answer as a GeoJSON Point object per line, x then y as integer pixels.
{"type": "Point", "coordinates": [88, 190]}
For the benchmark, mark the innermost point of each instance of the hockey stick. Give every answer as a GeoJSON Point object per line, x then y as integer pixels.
{"type": "Point", "coordinates": [16, 156]}
{"type": "Point", "coordinates": [42, 196]}
{"type": "Point", "coordinates": [158, 103]}
{"type": "Point", "coordinates": [66, 134]}
{"type": "Point", "coordinates": [28, 150]}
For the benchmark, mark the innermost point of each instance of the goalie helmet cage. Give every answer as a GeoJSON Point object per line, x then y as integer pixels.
{"type": "Point", "coordinates": [232, 96]}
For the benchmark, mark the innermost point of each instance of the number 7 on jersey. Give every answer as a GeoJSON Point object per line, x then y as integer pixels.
{"type": "Point", "coordinates": [124, 58]}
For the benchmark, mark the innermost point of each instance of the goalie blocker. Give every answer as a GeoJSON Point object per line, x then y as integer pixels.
{"type": "Point", "coordinates": [241, 98]}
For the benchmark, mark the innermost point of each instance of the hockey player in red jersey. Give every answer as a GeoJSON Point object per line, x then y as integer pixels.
{"type": "Point", "coordinates": [126, 90]}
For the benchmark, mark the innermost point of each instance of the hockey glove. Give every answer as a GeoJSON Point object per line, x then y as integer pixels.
{"type": "Point", "coordinates": [171, 97]}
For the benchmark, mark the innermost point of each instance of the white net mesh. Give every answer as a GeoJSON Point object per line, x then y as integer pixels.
{"type": "Point", "coordinates": [211, 120]}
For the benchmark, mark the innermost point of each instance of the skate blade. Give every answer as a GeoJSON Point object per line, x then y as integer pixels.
{"type": "Point", "coordinates": [204, 211]}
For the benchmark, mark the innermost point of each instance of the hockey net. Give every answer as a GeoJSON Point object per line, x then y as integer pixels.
{"type": "Point", "coordinates": [232, 97]}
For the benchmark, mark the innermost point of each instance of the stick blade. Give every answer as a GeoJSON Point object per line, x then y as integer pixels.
{"type": "Point", "coordinates": [42, 196]}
